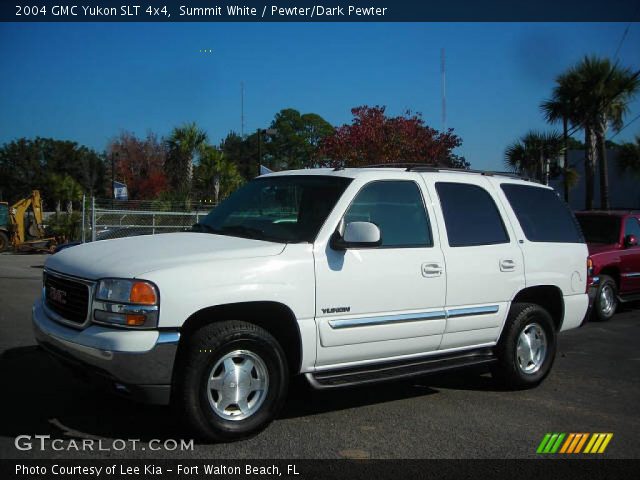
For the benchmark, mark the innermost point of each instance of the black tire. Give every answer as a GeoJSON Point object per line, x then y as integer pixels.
{"type": "Point", "coordinates": [606, 301]}
{"type": "Point", "coordinates": [511, 368]}
{"type": "Point", "coordinates": [4, 241]}
{"type": "Point", "coordinates": [202, 405]}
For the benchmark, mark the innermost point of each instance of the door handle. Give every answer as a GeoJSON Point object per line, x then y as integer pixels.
{"type": "Point", "coordinates": [507, 265]}
{"type": "Point", "coordinates": [431, 269]}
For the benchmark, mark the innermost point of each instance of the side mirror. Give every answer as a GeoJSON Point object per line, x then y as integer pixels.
{"type": "Point", "coordinates": [357, 235]}
{"type": "Point", "coordinates": [630, 241]}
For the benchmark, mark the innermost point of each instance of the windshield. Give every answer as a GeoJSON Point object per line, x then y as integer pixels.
{"type": "Point", "coordinates": [600, 228]}
{"type": "Point", "coordinates": [286, 209]}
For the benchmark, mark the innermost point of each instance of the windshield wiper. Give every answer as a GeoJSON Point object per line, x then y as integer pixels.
{"type": "Point", "coordinates": [203, 227]}
{"type": "Point", "coordinates": [243, 231]}
{"type": "Point", "coordinates": [237, 230]}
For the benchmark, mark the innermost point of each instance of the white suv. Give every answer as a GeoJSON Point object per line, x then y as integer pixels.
{"type": "Point", "coordinates": [345, 276]}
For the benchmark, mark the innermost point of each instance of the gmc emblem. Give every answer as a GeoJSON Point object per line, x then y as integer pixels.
{"type": "Point", "coordinates": [58, 296]}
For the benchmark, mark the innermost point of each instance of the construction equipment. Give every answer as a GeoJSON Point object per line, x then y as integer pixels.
{"type": "Point", "coordinates": [21, 225]}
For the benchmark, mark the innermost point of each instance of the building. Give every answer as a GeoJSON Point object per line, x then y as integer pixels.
{"type": "Point", "coordinates": [624, 188]}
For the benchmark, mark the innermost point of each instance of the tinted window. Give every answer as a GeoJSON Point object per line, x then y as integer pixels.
{"type": "Point", "coordinates": [397, 209]}
{"type": "Point", "coordinates": [632, 227]}
{"type": "Point", "coordinates": [542, 215]}
{"type": "Point", "coordinates": [289, 208]}
{"type": "Point", "coordinates": [600, 228]}
{"type": "Point", "coordinates": [470, 215]}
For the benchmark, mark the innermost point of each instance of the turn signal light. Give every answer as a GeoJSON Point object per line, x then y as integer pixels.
{"type": "Point", "coordinates": [142, 293]}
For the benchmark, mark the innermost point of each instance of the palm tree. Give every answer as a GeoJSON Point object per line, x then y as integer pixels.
{"type": "Point", "coordinates": [531, 154]}
{"type": "Point", "coordinates": [599, 95]}
{"type": "Point", "coordinates": [216, 176]}
{"type": "Point", "coordinates": [184, 144]}
{"type": "Point", "coordinates": [561, 107]}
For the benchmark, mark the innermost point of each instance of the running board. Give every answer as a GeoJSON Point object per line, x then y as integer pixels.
{"type": "Point", "coordinates": [629, 297]}
{"type": "Point", "coordinates": [382, 372]}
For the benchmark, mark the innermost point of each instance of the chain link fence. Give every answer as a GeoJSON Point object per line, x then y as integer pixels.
{"type": "Point", "coordinates": [103, 219]}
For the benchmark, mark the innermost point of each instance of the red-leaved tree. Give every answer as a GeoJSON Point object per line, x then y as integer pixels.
{"type": "Point", "coordinates": [139, 164]}
{"type": "Point", "coordinates": [374, 138]}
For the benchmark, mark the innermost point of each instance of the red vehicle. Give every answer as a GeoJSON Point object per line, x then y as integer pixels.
{"type": "Point", "coordinates": [614, 258]}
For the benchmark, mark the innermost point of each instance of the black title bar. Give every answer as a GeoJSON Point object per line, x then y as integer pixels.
{"type": "Point", "coordinates": [319, 11]}
{"type": "Point", "coordinates": [191, 469]}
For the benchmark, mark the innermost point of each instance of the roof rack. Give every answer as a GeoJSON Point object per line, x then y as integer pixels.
{"type": "Point", "coordinates": [488, 173]}
{"type": "Point", "coordinates": [425, 167]}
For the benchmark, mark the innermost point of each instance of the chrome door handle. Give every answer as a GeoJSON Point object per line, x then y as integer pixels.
{"type": "Point", "coordinates": [431, 269]}
{"type": "Point", "coordinates": [507, 265]}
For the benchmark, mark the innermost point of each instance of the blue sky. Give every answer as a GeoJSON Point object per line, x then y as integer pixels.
{"type": "Point", "coordinates": [88, 82]}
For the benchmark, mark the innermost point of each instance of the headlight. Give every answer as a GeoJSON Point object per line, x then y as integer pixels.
{"type": "Point", "coordinates": [128, 291]}
{"type": "Point", "coordinates": [128, 303]}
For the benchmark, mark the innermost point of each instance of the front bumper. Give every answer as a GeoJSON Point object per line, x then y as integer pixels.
{"type": "Point", "coordinates": [135, 363]}
{"type": "Point", "coordinates": [592, 291]}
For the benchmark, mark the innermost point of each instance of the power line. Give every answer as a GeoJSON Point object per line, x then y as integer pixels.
{"type": "Point", "coordinates": [628, 123]}
{"type": "Point", "coordinates": [624, 34]}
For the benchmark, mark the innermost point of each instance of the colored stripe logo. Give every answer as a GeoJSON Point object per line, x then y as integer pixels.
{"type": "Point", "coordinates": [574, 443]}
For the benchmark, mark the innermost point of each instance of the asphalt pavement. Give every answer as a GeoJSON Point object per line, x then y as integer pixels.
{"type": "Point", "coordinates": [594, 387]}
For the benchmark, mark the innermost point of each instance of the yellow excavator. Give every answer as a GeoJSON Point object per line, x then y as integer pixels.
{"type": "Point", "coordinates": [21, 225]}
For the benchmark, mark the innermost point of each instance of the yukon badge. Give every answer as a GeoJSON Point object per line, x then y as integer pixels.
{"type": "Point", "coordinates": [327, 311]}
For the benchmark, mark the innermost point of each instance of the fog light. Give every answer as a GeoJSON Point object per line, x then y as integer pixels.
{"type": "Point", "coordinates": [136, 320]}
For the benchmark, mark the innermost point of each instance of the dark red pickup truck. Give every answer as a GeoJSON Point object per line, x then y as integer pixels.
{"type": "Point", "coordinates": [614, 258]}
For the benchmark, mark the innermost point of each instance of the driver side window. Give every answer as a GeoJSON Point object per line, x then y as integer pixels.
{"type": "Point", "coordinates": [632, 227]}
{"type": "Point", "coordinates": [396, 207]}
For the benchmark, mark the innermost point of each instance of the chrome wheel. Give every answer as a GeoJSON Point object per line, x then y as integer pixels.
{"type": "Point", "coordinates": [607, 300]}
{"type": "Point", "coordinates": [532, 348]}
{"type": "Point", "coordinates": [237, 385]}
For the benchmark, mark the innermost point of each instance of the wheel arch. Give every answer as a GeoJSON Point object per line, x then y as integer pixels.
{"type": "Point", "coordinates": [612, 271]}
{"type": "Point", "coordinates": [548, 297]}
{"type": "Point", "coordinates": [276, 318]}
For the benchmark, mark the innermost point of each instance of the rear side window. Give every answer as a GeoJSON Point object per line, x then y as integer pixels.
{"type": "Point", "coordinates": [542, 215]}
{"type": "Point", "coordinates": [470, 215]}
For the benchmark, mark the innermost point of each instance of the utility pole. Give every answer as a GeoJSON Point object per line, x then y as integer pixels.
{"type": "Point", "coordinates": [242, 109]}
{"type": "Point", "coordinates": [443, 90]}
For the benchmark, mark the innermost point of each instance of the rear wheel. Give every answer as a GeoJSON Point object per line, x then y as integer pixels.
{"type": "Point", "coordinates": [232, 381]}
{"type": "Point", "coordinates": [527, 347]}
{"type": "Point", "coordinates": [4, 241]}
{"type": "Point", "coordinates": [606, 301]}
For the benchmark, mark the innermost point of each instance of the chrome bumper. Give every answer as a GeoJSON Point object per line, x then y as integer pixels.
{"type": "Point", "coordinates": [592, 291]}
{"type": "Point", "coordinates": [136, 363]}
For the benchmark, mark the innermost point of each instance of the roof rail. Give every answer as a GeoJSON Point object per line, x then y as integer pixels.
{"type": "Point", "coordinates": [428, 167]}
{"type": "Point", "coordinates": [488, 173]}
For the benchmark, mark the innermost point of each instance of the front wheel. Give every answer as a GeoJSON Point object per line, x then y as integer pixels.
{"type": "Point", "coordinates": [232, 380]}
{"type": "Point", "coordinates": [606, 301]}
{"type": "Point", "coordinates": [527, 347]}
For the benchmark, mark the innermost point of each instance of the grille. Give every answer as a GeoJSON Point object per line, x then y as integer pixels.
{"type": "Point", "coordinates": [67, 298]}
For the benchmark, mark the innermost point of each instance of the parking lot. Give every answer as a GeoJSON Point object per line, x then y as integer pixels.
{"type": "Point", "coordinates": [594, 387]}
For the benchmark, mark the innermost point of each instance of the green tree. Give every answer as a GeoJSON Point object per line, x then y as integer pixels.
{"type": "Point", "coordinates": [26, 164]}
{"type": "Point", "coordinates": [184, 144]}
{"type": "Point", "coordinates": [243, 153]}
{"type": "Point", "coordinates": [297, 139]}
{"type": "Point", "coordinates": [215, 177]}
{"type": "Point", "coordinates": [532, 154]}
{"type": "Point", "coordinates": [63, 188]}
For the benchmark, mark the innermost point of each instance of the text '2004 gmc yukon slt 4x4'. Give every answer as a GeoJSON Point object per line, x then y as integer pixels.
{"type": "Point", "coordinates": [344, 276]}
